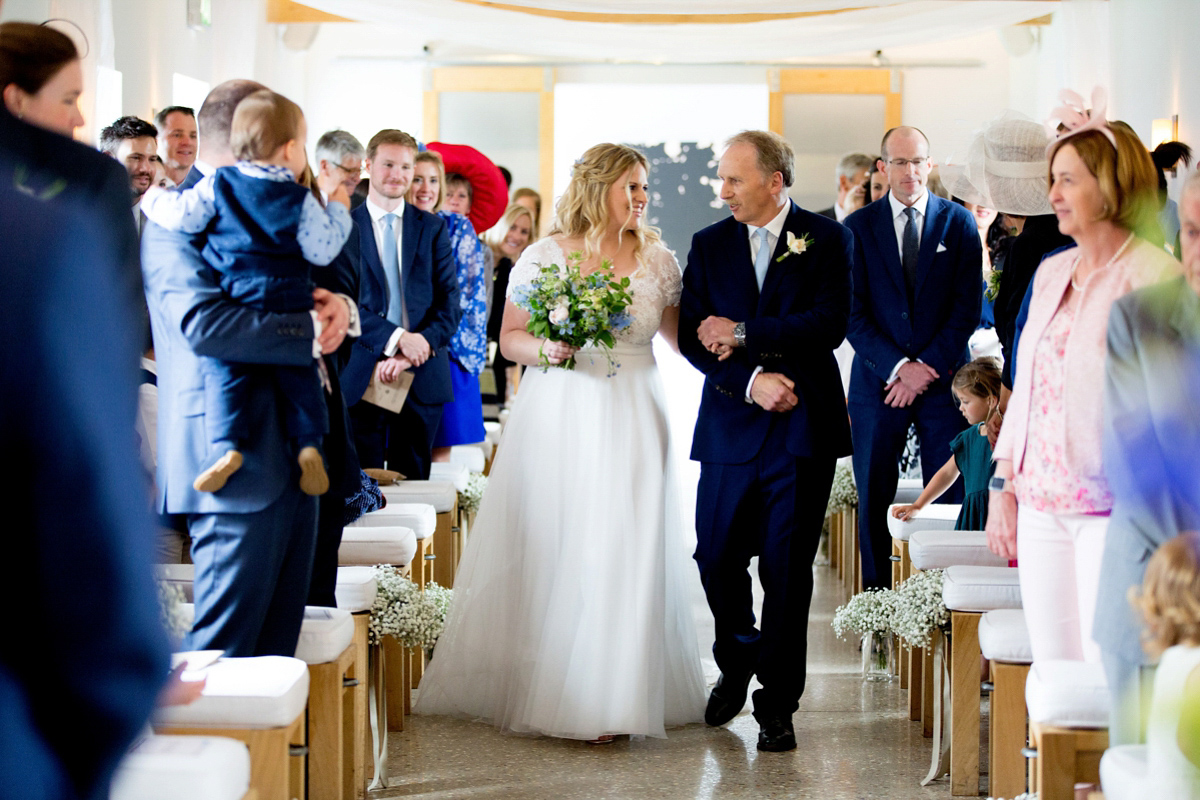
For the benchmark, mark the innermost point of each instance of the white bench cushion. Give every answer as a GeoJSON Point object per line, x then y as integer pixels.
{"type": "Point", "coordinates": [181, 575]}
{"type": "Point", "coordinates": [263, 692]}
{"type": "Point", "coordinates": [420, 517]}
{"type": "Point", "coordinates": [1070, 694]}
{"type": "Point", "coordinates": [183, 768]}
{"type": "Point", "coordinates": [935, 517]}
{"type": "Point", "coordinates": [908, 490]}
{"type": "Point", "coordinates": [440, 494]}
{"type": "Point", "coordinates": [493, 430]}
{"type": "Point", "coordinates": [469, 456]}
{"type": "Point", "coordinates": [1004, 637]}
{"type": "Point", "coordinates": [981, 588]}
{"type": "Point", "coordinates": [1124, 770]}
{"type": "Point", "coordinates": [452, 472]}
{"type": "Point", "coordinates": [941, 549]}
{"type": "Point", "coordinates": [324, 634]}
{"type": "Point", "coordinates": [355, 588]}
{"type": "Point", "coordinates": [368, 546]}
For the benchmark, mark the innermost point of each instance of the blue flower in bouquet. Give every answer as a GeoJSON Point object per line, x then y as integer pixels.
{"type": "Point", "coordinates": [575, 309]}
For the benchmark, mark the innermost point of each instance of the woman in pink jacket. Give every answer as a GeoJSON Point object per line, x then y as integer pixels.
{"type": "Point", "coordinates": [1050, 482]}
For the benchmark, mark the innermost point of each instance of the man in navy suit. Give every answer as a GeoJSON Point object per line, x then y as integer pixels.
{"type": "Point", "coordinates": [916, 302]}
{"type": "Point", "coordinates": [252, 542]}
{"type": "Point", "coordinates": [760, 316]}
{"type": "Point", "coordinates": [408, 298]}
{"type": "Point", "coordinates": [79, 548]}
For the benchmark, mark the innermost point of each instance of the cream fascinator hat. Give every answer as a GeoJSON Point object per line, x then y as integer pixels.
{"type": "Point", "coordinates": [1005, 167]}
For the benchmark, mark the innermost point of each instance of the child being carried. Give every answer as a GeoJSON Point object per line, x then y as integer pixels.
{"type": "Point", "coordinates": [263, 231]}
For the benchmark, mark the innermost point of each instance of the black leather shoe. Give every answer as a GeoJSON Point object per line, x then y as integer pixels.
{"type": "Point", "coordinates": [776, 736]}
{"type": "Point", "coordinates": [727, 700]}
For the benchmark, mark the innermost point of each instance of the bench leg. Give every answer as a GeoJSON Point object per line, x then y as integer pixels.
{"type": "Point", "coordinates": [964, 704]}
{"type": "Point", "coordinates": [445, 546]}
{"type": "Point", "coordinates": [358, 721]}
{"type": "Point", "coordinates": [1006, 765]}
{"type": "Point", "coordinates": [927, 693]}
{"type": "Point", "coordinates": [916, 681]}
{"type": "Point", "coordinates": [325, 730]}
{"type": "Point", "coordinates": [395, 657]}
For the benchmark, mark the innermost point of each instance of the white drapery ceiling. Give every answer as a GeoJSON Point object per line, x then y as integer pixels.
{"type": "Point", "coordinates": [687, 31]}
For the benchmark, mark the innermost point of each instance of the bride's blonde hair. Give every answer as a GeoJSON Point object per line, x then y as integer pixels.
{"type": "Point", "coordinates": [583, 208]}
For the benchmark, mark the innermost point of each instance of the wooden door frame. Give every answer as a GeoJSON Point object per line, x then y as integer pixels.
{"type": "Point", "coordinates": [885, 82]}
{"type": "Point", "coordinates": [499, 79]}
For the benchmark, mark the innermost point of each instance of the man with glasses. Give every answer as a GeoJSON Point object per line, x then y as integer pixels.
{"type": "Point", "coordinates": [339, 158]}
{"type": "Point", "coordinates": [916, 302]}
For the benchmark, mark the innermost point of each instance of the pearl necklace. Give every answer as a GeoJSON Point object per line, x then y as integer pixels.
{"type": "Point", "coordinates": [1111, 261]}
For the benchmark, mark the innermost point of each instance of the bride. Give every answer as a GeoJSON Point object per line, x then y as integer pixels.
{"type": "Point", "coordinates": [570, 614]}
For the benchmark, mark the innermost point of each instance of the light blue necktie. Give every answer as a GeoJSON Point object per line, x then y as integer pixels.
{"type": "Point", "coordinates": [763, 260]}
{"type": "Point", "coordinates": [391, 271]}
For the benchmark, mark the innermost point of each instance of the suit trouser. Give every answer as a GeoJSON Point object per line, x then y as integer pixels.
{"type": "Point", "coordinates": [252, 576]}
{"type": "Point", "coordinates": [879, 433]}
{"type": "Point", "coordinates": [1058, 558]}
{"type": "Point", "coordinates": [342, 464]}
{"type": "Point", "coordinates": [772, 507]}
{"type": "Point", "coordinates": [403, 442]}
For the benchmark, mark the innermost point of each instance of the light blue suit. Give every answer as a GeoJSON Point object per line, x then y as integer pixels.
{"type": "Point", "coordinates": [252, 541]}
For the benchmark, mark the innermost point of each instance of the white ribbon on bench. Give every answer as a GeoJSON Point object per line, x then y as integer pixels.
{"type": "Point", "coordinates": [940, 763]}
{"type": "Point", "coordinates": [377, 704]}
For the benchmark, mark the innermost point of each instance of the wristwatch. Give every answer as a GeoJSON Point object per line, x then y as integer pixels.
{"type": "Point", "coordinates": [739, 334]}
{"type": "Point", "coordinates": [998, 484]}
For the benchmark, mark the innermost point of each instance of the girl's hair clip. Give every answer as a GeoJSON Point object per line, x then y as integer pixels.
{"type": "Point", "coordinates": [1076, 118]}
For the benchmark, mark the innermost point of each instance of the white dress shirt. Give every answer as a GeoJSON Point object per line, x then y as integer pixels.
{"type": "Point", "coordinates": [899, 221]}
{"type": "Point", "coordinates": [380, 229]}
{"type": "Point", "coordinates": [774, 231]}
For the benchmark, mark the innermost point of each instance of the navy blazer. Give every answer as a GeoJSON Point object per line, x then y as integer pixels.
{"type": "Point", "coordinates": [75, 504]}
{"type": "Point", "coordinates": [792, 327]}
{"type": "Point", "coordinates": [430, 296]}
{"type": "Point", "coordinates": [946, 300]}
{"type": "Point", "coordinates": [1151, 437]}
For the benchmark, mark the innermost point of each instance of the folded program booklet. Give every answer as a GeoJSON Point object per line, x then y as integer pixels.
{"type": "Point", "coordinates": [389, 396]}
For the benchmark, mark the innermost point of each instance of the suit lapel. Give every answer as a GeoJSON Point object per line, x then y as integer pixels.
{"type": "Point", "coordinates": [370, 253]}
{"type": "Point", "coordinates": [931, 239]}
{"type": "Point", "coordinates": [776, 268]}
{"type": "Point", "coordinates": [884, 231]}
{"type": "Point", "coordinates": [742, 284]}
{"type": "Point", "coordinates": [408, 249]}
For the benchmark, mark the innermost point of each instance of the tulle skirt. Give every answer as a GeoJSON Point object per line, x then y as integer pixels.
{"type": "Point", "coordinates": [571, 615]}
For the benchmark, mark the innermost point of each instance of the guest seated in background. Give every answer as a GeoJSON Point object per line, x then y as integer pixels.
{"type": "Point", "coordinates": [507, 239]}
{"type": "Point", "coordinates": [462, 417]}
{"type": "Point", "coordinates": [1048, 456]}
{"type": "Point", "coordinates": [976, 389]}
{"type": "Point", "coordinates": [851, 174]}
{"type": "Point", "coordinates": [1150, 446]}
{"type": "Point", "coordinates": [263, 231]}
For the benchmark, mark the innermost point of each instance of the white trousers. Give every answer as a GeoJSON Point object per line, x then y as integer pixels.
{"type": "Point", "coordinates": [1058, 558]}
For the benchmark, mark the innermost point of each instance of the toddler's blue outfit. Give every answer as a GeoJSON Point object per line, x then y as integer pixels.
{"type": "Point", "coordinates": [263, 232]}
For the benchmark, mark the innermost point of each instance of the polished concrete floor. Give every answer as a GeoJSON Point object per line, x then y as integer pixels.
{"type": "Point", "coordinates": [855, 742]}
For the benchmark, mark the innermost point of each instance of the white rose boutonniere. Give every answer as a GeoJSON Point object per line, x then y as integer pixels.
{"type": "Point", "coordinates": [796, 245]}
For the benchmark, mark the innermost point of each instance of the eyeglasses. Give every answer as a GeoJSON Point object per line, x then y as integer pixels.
{"type": "Point", "coordinates": [350, 170]}
{"type": "Point", "coordinates": [901, 163]}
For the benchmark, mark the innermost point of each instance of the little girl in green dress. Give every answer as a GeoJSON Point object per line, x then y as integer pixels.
{"type": "Point", "coordinates": [976, 387]}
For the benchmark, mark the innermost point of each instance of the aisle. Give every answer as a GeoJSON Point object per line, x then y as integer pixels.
{"type": "Point", "coordinates": [855, 742]}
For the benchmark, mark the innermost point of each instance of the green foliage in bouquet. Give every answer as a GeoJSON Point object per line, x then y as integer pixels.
{"type": "Point", "coordinates": [579, 310]}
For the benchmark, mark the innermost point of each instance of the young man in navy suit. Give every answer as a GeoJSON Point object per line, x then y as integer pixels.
{"type": "Point", "coordinates": [760, 317]}
{"type": "Point", "coordinates": [917, 295]}
{"type": "Point", "coordinates": [408, 298]}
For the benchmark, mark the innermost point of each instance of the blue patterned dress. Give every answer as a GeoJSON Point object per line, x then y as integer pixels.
{"type": "Point", "coordinates": [462, 418]}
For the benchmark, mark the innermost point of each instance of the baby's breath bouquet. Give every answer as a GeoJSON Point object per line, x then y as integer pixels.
{"type": "Point", "coordinates": [843, 493]}
{"type": "Point", "coordinates": [402, 610]}
{"type": "Point", "coordinates": [575, 309]}
{"type": "Point", "coordinates": [470, 498]}
{"type": "Point", "coordinates": [171, 613]}
{"type": "Point", "coordinates": [867, 612]}
{"type": "Point", "coordinates": [919, 608]}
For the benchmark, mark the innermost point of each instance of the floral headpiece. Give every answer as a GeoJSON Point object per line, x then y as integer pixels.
{"type": "Point", "coordinates": [1077, 118]}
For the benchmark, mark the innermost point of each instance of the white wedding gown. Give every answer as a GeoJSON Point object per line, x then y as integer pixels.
{"type": "Point", "coordinates": [571, 615]}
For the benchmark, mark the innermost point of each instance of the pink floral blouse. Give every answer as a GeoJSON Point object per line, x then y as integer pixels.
{"type": "Point", "coordinates": [1046, 483]}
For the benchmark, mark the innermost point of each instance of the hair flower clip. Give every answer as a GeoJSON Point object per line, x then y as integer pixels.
{"type": "Point", "coordinates": [1077, 118]}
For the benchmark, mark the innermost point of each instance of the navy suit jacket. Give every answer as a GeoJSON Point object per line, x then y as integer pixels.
{"type": "Point", "coordinates": [1151, 438]}
{"type": "Point", "coordinates": [792, 327]}
{"type": "Point", "coordinates": [946, 301]}
{"type": "Point", "coordinates": [191, 316]}
{"type": "Point", "coordinates": [81, 547]}
{"type": "Point", "coordinates": [430, 296]}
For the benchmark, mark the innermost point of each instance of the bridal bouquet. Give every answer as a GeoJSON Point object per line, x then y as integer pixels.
{"type": "Point", "coordinates": [575, 309]}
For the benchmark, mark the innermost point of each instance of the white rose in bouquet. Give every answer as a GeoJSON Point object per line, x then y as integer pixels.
{"type": "Point", "coordinates": [560, 313]}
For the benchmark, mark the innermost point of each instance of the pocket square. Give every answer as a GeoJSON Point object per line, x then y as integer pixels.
{"type": "Point", "coordinates": [941, 247]}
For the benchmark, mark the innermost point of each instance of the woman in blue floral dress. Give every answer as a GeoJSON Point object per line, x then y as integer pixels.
{"type": "Point", "coordinates": [462, 418]}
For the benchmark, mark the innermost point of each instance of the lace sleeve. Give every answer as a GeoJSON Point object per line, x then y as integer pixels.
{"type": "Point", "coordinates": [668, 275]}
{"type": "Point", "coordinates": [536, 256]}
